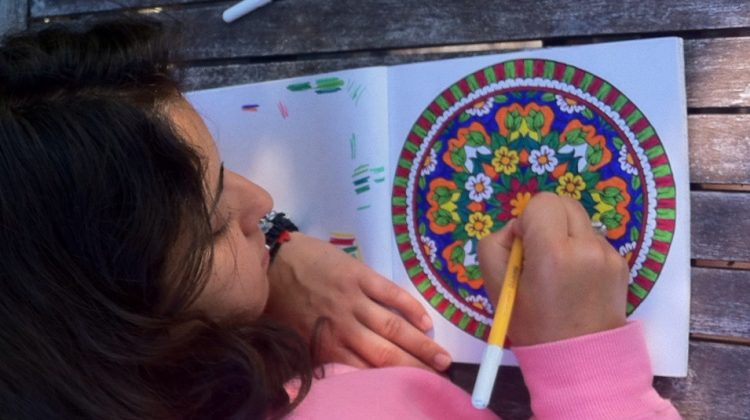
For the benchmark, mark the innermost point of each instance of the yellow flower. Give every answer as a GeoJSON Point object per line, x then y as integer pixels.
{"type": "Point", "coordinates": [571, 186]}
{"type": "Point", "coordinates": [519, 203]}
{"type": "Point", "coordinates": [505, 160]}
{"type": "Point", "coordinates": [479, 225]}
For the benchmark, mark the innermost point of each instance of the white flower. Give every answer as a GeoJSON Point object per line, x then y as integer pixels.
{"type": "Point", "coordinates": [568, 105]}
{"type": "Point", "coordinates": [479, 187]}
{"type": "Point", "coordinates": [429, 247]}
{"type": "Point", "coordinates": [481, 107]}
{"type": "Point", "coordinates": [624, 160]}
{"type": "Point", "coordinates": [542, 160]}
{"type": "Point", "coordinates": [430, 163]}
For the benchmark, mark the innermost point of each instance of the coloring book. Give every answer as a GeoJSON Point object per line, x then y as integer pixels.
{"type": "Point", "coordinates": [406, 167]}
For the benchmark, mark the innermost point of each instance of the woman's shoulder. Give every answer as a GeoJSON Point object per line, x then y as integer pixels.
{"type": "Point", "coordinates": [392, 392]}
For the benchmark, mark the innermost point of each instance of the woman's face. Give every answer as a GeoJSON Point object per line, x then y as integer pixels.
{"type": "Point", "coordinates": [238, 280]}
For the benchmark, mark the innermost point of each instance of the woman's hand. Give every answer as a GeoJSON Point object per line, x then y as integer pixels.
{"type": "Point", "coordinates": [573, 282]}
{"type": "Point", "coordinates": [312, 279]}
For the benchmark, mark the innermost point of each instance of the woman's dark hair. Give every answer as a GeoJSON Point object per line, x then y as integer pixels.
{"type": "Point", "coordinates": [105, 242]}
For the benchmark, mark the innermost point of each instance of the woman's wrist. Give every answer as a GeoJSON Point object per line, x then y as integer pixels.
{"type": "Point", "coordinates": [277, 229]}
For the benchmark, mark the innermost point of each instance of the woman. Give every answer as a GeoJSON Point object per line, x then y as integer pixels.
{"type": "Point", "coordinates": [136, 282]}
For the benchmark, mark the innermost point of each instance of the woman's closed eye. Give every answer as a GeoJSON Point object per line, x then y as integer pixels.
{"type": "Point", "coordinates": [223, 227]}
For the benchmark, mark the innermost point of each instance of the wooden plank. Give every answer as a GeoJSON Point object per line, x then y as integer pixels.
{"type": "Point", "coordinates": [315, 26]}
{"type": "Point", "coordinates": [717, 385]}
{"type": "Point", "coordinates": [719, 149]}
{"type": "Point", "coordinates": [720, 303]}
{"type": "Point", "coordinates": [49, 8]}
{"type": "Point", "coordinates": [717, 72]}
{"type": "Point", "coordinates": [12, 15]}
{"type": "Point", "coordinates": [720, 223]}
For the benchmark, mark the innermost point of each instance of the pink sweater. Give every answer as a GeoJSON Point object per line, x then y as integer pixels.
{"type": "Point", "coordinates": [599, 376]}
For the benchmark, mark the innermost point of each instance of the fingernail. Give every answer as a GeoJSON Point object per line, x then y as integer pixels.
{"type": "Point", "coordinates": [442, 361]}
{"type": "Point", "coordinates": [426, 322]}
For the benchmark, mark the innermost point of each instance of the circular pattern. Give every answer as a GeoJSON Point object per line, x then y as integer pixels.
{"type": "Point", "coordinates": [489, 142]}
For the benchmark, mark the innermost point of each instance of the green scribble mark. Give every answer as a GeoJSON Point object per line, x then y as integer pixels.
{"type": "Point", "coordinates": [359, 170]}
{"type": "Point", "coordinates": [321, 86]}
{"type": "Point", "coordinates": [362, 189]}
{"type": "Point", "coordinates": [299, 87]}
{"type": "Point", "coordinates": [366, 206]}
{"type": "Point", "coordinates": [353, 146]}
{"type": "Point", "coordinates": [328, 85]}
{"type": "Point", "coordinates": [355, 91]}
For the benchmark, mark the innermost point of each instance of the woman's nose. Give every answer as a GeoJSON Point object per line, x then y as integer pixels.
{"type": "Point", "coordinates": [252, 202]}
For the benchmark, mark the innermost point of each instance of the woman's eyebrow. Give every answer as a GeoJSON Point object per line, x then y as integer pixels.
{"type": "Point", "coordinates": [219, 189]}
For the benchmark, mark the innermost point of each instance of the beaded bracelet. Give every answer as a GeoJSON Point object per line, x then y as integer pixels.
{"type": "Point", "coordinates": [276, 227]}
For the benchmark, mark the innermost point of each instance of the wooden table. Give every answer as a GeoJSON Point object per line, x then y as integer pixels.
{"type": "Point", "coordinates": [295, 37]}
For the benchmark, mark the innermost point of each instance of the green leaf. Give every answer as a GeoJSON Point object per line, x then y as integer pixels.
{"type": "Point", "coordinates": [458, 254]}
{"type": "Point", "coordinates": [473, 272]}
{"type": "Point", "coordinates": [475, 139]}
{"type": "Point", "coordinates": [501, 98]}
{"type": "Point", "coordinates": [464, 117]}
{"type": "Point", "coordinates": [422, 229]}
{"type": "Point", "coordinates": [633, 234]}
{"type": "Point", "coordinates": [509, 121]}
{"type": "Point", "coordinates": [442, 195]}
{"type": "Point", "coordinates": [548, 97]}
{"type": "Point", "coordinates": [638, 215]}
{"type": "Point", "coordinates": [611, 191]}
{"type": "Point", "coordinates": [610, 220]}
{"type": "Point", "coordinates": [617, 142]}
{"type": "Point", "coordinates": [422, 183]}
{"type": "Point", "coordinates": [437, 146]}
{"type": "Point", "coordinates": [460, 178]}
{"type": "Point", "coordinates": [608, 200]}
{"type": "Point", "coordinates": [517, 119]}
{"type": "Point", "coordinates": [635, 182]}
{"type": "Point", "coordinates": [594, 154]}
{"type": "Point", "coordinates": [587, 113]}
{"type": "Point", "coordinates": [590, 178]}
{"type": "Point", "coordinates": [438, 264]}
{"type": "Point", "coordinates": [538, 120]}
{"type": "Point", "coordinates": [576, 137]}
{"type": "Point", "coordinates": [458, 157]}
{"type": "Point", "coordinates": [552, 140]}
{"type": "Point", "coordinates": [443, 217]}
{"type": "Point", "coordinates": [463, 293]}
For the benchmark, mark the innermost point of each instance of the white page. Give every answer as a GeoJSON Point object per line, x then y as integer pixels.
{"type": "Point", "coordinates": [304, 147]}
{"type": "Point", "coordinates": [650, 73]}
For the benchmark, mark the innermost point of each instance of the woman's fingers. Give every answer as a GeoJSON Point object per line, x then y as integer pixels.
{"type": "Point", "coordinates": [493, 252]}
{"type": "Point", "coordinates": [387, 339]}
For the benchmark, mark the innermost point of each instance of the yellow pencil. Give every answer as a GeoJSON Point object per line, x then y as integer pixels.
{"type": "Point", "coordinates": [492, 357]}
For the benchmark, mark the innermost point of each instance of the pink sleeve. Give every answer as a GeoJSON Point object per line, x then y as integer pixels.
{"type": "Point", "coordinates": [602, 375]}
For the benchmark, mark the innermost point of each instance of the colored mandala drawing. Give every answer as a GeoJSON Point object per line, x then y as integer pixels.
{"type": "Point", "coordinates": [488, 143]}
